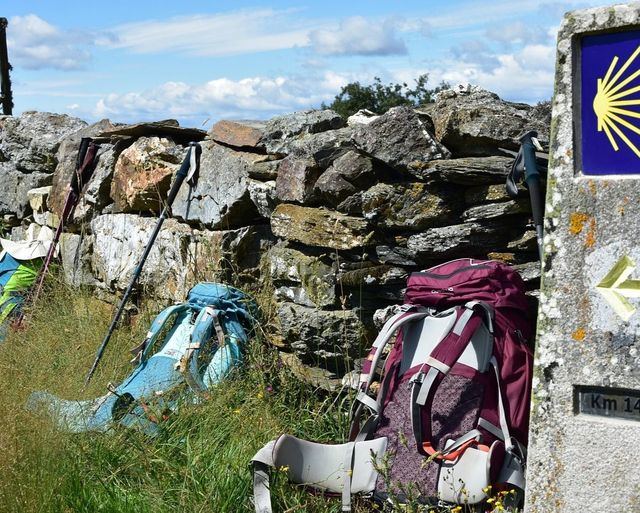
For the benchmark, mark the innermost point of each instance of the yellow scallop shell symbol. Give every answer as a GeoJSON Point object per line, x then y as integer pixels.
{"type": "Point", "coordinates": [611, 103]}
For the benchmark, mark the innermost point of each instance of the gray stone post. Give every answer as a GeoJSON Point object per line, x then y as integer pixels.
{"type": "Point", "coordinates": [584, 453]}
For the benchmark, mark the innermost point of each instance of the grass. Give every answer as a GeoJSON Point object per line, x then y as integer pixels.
{"type": "Point", "coordinates": [199, 461]}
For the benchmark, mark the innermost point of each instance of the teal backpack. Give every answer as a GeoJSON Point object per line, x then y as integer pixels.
{"type": "Point", "coordinates": [195, 343]}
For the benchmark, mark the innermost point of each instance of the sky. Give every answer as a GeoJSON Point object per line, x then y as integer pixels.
{"type": "Point", "coordinates": [200, 61]}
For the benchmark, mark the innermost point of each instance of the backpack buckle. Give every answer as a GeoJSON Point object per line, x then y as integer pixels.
{"type": "Point", "coordinates": [418, 377]}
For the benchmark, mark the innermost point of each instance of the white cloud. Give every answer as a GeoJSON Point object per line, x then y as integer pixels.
{"type": "Point", "coordinates": [537, 57]}
{"type": "Point", "coordinates": [254, 97]}
{"type": "Point", "coordinates": [473, 14]}
{"type": "Point", "coordinates": [359, 36]}
{"type": "Point", "coordinates": [526, 75]}
{"type": "Point", "coordinates": [232, 33]}
{"type": "Point", "coordinates": [36, 44]}
{"type": "Point", "coordinates": [517, 32]}
{"type": "Point", "coordinates": [477, 51]}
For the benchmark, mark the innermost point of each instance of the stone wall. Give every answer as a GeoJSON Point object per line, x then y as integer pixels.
{"type": "Point", "coordinates": [325, 214]}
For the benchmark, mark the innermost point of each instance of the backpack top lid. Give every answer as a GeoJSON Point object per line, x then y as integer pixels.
{"type": "Point", "coordinates": [209, 293]}
{"type": "Point", "coordinates": [466, 279]}
{"type": "Point", "coordinates": [223, 297]}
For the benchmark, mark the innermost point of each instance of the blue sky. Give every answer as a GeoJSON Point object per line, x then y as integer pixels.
{"type": "Point", "coordinates": [200, 61]}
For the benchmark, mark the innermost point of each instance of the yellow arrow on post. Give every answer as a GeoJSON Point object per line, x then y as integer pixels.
{"type": "Point", "coordinates": [616, 288]}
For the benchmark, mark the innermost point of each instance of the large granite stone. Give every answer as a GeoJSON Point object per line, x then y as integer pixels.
{"type": "Point", "coordinates": [238, 134]}
{"type": "Point", "coordinates": [408, 206]}
{"type": "Point", "coordinates": [324, 147]}
{"type": "Point", "coordinates": [321, 336]}
{"type": "Point", "coordinates": [467, 239]}
{"type": "Point", "coordinates": [296, 179]}
{"type": "Point", "coordinates": [348, 173]}
{"type": "Point", "coordinates": [465, 171]}
{"type": "Point", "coordinates": [180, 257]}
{"type": "Point", "coordinates": [119, 240]}
{"type": "Point", "coordinates": [319, 227]}
{"type": "Point", "coordinates": [399, 139]}
{"type": "Point", "coordinates": [14, 186]}
{"type": "Point", "coordinates": [280, 131]}
{"type": "Point", "coordinates": [168, 128]}
{"type": "Point", "coordinates": [143, 174]}
{"type": "Point", "coordinates": [477, 122]}
{"type": "Point", "coordinates": [31, 140]}
{"type": "Point", "coordinates": [301, 278]}
{"type": "Point", "coordinates": [582, 455]}
{"type": "Point", "coordinates": [221, 198]}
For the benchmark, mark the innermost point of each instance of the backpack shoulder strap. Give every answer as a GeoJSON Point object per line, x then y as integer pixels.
{"type": "Point", "coordinates": [408, 314]}
{"type": "Point", "coordinates": [227, 351]}
{"type": "Point", "coordinates": [436, 367]}
{"type": "Point", "coordinates": [141, 351]}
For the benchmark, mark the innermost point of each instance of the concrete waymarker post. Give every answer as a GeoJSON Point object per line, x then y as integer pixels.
{"type": "Point", "coordinates": [584, 453]}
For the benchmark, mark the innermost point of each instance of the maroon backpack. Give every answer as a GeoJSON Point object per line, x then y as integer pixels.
{"type": "Point", "coordinates": [451, 409]}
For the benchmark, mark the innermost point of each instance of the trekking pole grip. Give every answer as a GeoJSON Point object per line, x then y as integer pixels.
{"type": "Point", "coordinates": [188, 170]}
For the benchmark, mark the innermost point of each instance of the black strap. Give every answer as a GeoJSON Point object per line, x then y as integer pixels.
{"type": "Point", "coordinates": [516, 174]}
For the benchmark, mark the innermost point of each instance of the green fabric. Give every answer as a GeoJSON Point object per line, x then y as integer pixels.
{"type": "Point", "coordinates": [6, 310]}
{"type": "Point", "coordinates": [23, 277]}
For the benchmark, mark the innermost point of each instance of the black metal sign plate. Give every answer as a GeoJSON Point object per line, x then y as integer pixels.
{"type": "Point", "coordinates": [607, 402]}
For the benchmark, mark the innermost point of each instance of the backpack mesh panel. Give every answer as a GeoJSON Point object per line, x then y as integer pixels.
{"type": "Point", "coordinates": [455, 409]}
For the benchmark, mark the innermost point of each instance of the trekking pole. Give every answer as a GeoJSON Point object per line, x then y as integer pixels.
{"type": "Point", "coordinates": [525, 164]}
{"type": "Point", "coordinates": [85, 163]}
{"type": "Point", "coordinates": [188, 170]}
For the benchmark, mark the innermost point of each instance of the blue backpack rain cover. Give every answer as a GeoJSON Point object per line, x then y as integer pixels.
{"type": "Point", "coordinates": [196, 342]}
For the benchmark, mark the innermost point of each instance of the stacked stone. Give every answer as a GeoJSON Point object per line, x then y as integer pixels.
{"type": "Point", "coordinates": [329, 214]}
{"type": "Point", "coordinates": [363, 203]}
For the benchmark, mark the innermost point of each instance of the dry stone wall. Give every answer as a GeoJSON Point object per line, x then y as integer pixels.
{"type": "Point", "coordinates": [327, 215]}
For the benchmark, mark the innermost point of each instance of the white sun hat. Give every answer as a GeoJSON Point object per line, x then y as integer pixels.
{"type": "Point", "coordinates": [33, 247]}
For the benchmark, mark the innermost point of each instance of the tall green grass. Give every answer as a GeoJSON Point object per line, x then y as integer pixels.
{"type": "Point", "coordinates": [198, 462]}
{"type": "Point", "coordinates": [200, 459]}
